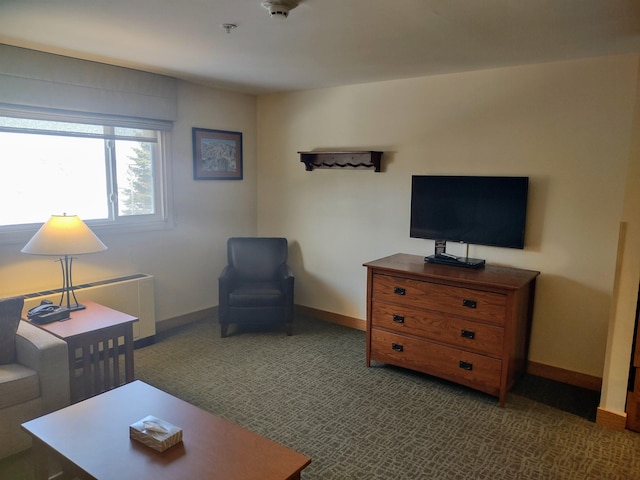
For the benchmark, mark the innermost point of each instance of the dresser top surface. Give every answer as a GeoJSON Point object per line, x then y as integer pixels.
{"type": "Point", "coordinates": [499, 276]}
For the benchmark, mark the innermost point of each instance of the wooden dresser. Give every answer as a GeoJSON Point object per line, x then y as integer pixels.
{"type": "Point", "coordinates": [469, 326]}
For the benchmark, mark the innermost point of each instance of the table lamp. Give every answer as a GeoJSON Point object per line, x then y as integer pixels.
{"type": "Point", "coordinates": [65, 236]}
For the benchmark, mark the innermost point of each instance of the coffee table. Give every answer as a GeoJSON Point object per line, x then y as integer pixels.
{"type": "Point", "coordinates": [90, 440]}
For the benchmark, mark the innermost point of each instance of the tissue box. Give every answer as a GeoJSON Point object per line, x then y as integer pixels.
{"type": "Point", "coordinates": [155, 433]}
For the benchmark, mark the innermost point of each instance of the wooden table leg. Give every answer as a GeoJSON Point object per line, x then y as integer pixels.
{"type": "Point", "coordinates": [128, 354]}
{"type": "Point", "coordinates": [40, 455]}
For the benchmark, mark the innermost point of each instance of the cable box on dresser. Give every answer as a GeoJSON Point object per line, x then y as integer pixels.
{"type": "Point", "coordinates": [469, 326]}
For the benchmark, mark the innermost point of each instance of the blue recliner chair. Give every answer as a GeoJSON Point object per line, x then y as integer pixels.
{"type": "Point", "coordinates": [256, 287]}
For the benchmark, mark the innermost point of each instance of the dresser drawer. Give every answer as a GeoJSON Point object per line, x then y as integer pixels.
{"type": "Point", "coordinates": [441, 327]}
{"type": "Point", "coordinates": [477, 304]}
{"type": "Point", "coordinates": [470, 369]}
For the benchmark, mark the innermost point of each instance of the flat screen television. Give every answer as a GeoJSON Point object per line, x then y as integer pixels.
{"type": "Point", "coordinates": [470, 209]}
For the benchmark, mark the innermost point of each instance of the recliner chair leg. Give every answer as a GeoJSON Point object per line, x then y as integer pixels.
{"type": "Point", "coordinates": [223, 330]}
{"type": "Point", "coordinates": [288, 327]}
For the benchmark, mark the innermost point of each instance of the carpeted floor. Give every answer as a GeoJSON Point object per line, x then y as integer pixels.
{"type": "Point", "coordinates": [313, 393]}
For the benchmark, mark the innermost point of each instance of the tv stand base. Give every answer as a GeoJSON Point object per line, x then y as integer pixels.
{"type": "Point", "coordinates": [454, 261]}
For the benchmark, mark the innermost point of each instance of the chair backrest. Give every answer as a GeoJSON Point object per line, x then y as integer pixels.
{"type": "Point", "coordinates": [10, 311]}
{"type": "Point", "coordinates": [257, 259]}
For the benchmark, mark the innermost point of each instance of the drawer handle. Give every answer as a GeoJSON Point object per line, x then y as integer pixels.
{"type": "Point", "coordinates": [466, 365]}
{"type": "Point", "coordinates": [399, 291]}
{"type": "Point", "coordinates": [468, 334]}
{"type": "Point", "coordinates": [397, 347]}
{"type": "Point", "coordinates": [398, 318]}
{"type": "Point", "coordinates": [469, 303]}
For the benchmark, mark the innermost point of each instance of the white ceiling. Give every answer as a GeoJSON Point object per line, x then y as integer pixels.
{"type": "Point", "coordinates": [323, 43]}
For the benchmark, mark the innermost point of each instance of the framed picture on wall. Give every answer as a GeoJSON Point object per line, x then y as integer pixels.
{"type": "Point", "coordinates": [217, 154]}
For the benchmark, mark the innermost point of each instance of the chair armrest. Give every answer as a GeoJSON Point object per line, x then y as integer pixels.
{"type": "Point", "coordinates": [227, 274]}
{"type": "Point", "coordinates": [287, 280]}
{"type": "Point", "coordinates": [46, 354]}
{"type": "Point", "coordinates": [285, 272]}
{"type": "Point", "coordinates": [226, 280]}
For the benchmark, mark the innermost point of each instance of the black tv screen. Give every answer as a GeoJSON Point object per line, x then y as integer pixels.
{"type": "Point", "coordinates": [470, 209]}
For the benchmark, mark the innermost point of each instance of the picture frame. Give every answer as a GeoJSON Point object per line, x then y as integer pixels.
{"type": "Point", "coordinates": [217, 154]}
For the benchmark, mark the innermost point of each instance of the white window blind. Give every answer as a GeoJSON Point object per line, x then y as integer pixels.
{"type": "Point", "coordinates": [36, 79]}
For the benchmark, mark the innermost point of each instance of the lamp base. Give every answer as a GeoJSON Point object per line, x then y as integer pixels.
{"type": "Point", "coordinates": [77, 306]}
{"type": "Point", "coordinates": [68, 290]}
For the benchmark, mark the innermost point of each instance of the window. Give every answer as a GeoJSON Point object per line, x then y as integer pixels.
{"type": "Point", "coordinates": [110, 174]}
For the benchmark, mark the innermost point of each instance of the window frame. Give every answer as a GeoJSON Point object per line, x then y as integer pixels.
{"type": "Point", "coordinates": [121, 224]}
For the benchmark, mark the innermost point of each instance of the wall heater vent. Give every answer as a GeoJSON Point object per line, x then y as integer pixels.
{"type": "Point", "coordinates": [132, 294]}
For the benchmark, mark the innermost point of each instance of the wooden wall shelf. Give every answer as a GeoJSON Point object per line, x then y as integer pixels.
{"type": "Point", "coordinates": [342, 159]}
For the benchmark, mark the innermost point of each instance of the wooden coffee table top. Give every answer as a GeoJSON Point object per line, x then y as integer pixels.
{"type": "Point", "coordinates": [94, 436]}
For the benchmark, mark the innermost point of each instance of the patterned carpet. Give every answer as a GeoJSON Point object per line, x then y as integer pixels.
{"type": "Point", "coordinates": [313, 393]}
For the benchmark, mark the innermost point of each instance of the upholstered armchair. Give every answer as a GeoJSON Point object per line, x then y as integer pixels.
{"type": "Point", "coordinates": [34, 375]}
{"type": "Point", "coordinates": [256, 287]}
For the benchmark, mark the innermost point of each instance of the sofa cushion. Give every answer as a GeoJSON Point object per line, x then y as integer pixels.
{"type": "Point", "coordinates": [257, 294]}
{"type": "Point", "coordinates": [18, 384]}
{"type": "Point", "coordinates": [10, 311]}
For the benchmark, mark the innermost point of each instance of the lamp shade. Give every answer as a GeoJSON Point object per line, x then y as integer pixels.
{"type": "Point", "coordinates": [64, 235]}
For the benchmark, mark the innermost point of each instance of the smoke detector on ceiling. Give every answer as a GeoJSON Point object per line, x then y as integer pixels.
{"type": "Point", "coordinates": [280, 8]}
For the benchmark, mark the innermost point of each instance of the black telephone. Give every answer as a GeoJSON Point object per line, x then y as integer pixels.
{"type": "Point", "coordinates": [47, 312]}
{"type": "Point", "coordinates": [46, 306]}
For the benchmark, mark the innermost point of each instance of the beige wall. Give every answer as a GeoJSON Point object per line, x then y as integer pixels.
{"type": "Point", "coordinates": [625, 292]}
{"type": "Point", "coordinates": [187, 259]}
{"type": "Point", "coordinates": [565, 125]}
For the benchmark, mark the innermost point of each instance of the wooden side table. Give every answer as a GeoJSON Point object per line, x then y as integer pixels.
{"type": "Point", "coordinates": [95, 338]}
